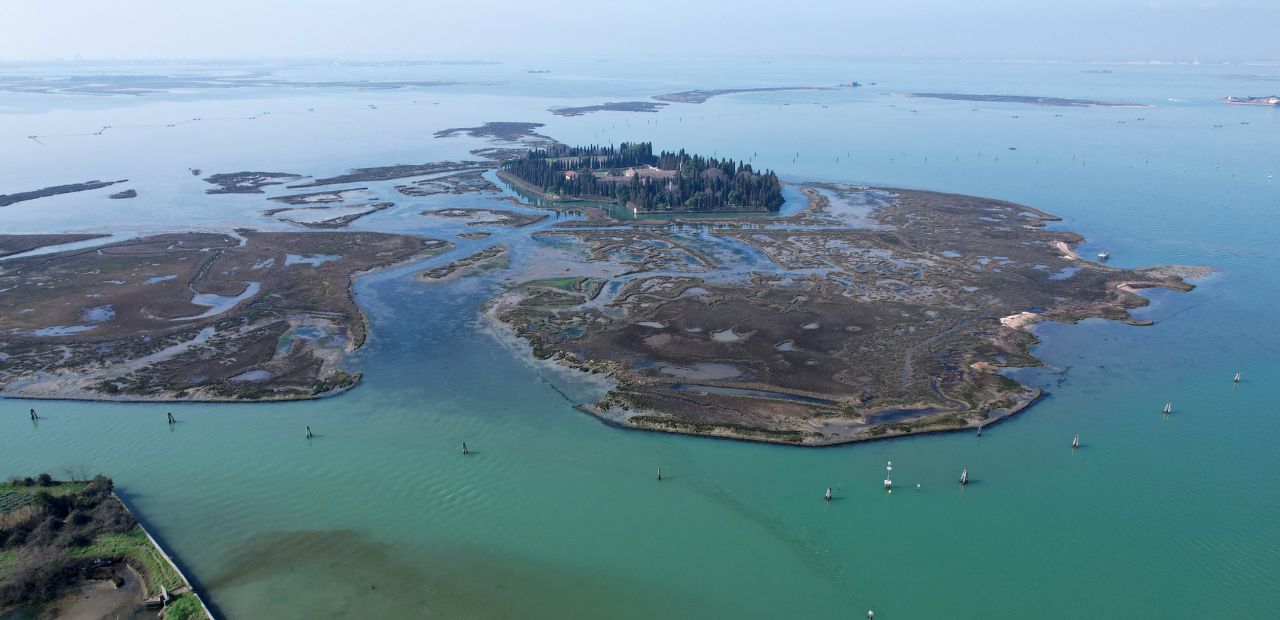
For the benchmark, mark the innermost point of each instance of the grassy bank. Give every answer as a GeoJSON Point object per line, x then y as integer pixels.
{"type": "Point", "coordinates": [55, 534]}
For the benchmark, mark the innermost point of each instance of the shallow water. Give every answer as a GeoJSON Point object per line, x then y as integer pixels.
{"type": "Point", "coordinates": [555, 514]}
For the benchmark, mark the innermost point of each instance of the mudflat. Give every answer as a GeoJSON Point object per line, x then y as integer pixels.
{"type": "Point", "coordinates": [874, 312]}
{"type": "Point", "coordinates": [195, 316]}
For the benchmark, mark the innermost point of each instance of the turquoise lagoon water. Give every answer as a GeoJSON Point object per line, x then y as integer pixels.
{"type": "Point", "coordinates": [557, 515]}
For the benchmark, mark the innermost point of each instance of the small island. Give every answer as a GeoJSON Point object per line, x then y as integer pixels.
{"type": "Point", "coordinates": [701, 95]}
{"type": "Point", "coordinates": [9, 199]}
{"type": "Point", "coordinates": [633, 176]}
{"type": "Point", "coordinates": [247, 182]}
{"type": "Point", "coordinates": [1060, 102]}
{"type": "Point", "coordinates": [1271, 100]}
{"type": "Point", "coordinates": [612, 106]}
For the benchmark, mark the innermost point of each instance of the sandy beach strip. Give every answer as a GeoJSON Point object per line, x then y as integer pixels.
{"type": "Point", "coordinates": [1021, 320]}
{"type": "Point", "coordinates": [1066, 250]}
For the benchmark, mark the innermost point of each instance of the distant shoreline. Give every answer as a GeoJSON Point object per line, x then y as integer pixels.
{"type": "Point", "coordinates": [1060, 102]}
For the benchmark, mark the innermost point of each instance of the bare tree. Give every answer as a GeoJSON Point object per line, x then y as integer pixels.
{"type": "Point", "coordinates": [76, 473]}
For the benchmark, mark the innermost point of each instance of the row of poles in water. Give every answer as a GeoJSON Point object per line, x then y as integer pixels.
{"type": "Point", "coordinates": [827, 496]}
{"type": "Point", "coordinates": [888, 482]}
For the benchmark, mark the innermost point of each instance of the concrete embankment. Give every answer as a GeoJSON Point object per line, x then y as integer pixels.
{"type": "Point", "coordinates": [190, 587]}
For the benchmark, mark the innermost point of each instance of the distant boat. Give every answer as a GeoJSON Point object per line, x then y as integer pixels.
{"type": "Point", "coordinates": [1104, 255]}
{"type": "Point", "coordinates": [1273, 101]}
{"type": "Point", "coordinates": [828, 494]}
{"type": "Point", "coordinates": [1168, 407]}
{"type": "Point", "coordinates": [964, 476]}
{"type": "Point", "coordinates": [1075, 443]}
{"type": "Point", "coordinates": [888, 476]}
{"type": "Point", "coordinates": [1236, 379]}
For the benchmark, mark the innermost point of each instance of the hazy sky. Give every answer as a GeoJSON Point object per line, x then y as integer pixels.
{"type": "Point", "coordinates": [1102, 29]}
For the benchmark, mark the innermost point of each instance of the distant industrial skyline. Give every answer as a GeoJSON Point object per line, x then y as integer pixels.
{"type": "Point", "coordinates": [1170, 30]}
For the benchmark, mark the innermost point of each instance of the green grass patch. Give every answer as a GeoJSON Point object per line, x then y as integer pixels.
{"type": "Point", "coordinates": [8, 559]}
{"type": "Point", "coordinates": [183, 608]}
{"type": "Point", "coordinates": [566, 283]}
{"type": "Point", "coordinates": [11, 500]}
{"type": "Point", "coordinates": [1005, 384]}
{"type": "Point", "coordinates": [710, 427]}
{"type": "Point", "coordinates": [134, 544]}
{"type": "Point", "coordinates": [14, 495]}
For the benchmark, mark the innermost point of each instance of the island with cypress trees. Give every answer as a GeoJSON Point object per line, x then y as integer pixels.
{"type": "Point", "coordinates": [633, 176]}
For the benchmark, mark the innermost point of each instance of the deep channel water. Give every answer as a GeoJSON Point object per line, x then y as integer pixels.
{"type": "Point", "coordinates": [555, 514]}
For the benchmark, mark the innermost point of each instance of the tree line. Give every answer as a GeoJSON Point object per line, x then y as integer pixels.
{"type": "Point", "coordinates": [699, 184]}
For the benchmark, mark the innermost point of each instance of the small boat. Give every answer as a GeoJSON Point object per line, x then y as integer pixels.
{"type": "Point", "coordinates": [1104, 255]}
{"type": "Point", "coordinates": [1236, 379]}
{"type": "Point", "coordinates": [888, 476]}
{"type": "Point", "coordinates": [309, 435]}
{"type": "Point", "coordinates": [1168, 408]}
{"type": "Point", "coordinates": [828, 494]}
{"type": "Point", "coordinates": [964, 476]}
{"type": "Point", "coordinates": [1075, 443]}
